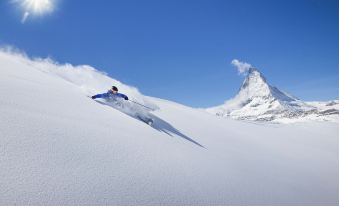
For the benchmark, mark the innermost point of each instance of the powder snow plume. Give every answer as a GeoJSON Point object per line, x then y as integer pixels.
{"type": "Point", "coordinates": [90, 80]}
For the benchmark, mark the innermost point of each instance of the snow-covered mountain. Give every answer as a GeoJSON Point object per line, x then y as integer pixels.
{"type": "Point", "coordinates": [258, 100]}
{"type": "Point", "coordinates": [59, 147]}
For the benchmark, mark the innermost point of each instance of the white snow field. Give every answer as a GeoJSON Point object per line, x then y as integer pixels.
{"type": "Point", "coordinates": [59, 147]}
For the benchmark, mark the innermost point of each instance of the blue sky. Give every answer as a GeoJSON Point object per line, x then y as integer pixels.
{"type": "Point", "coordinates": [182, 50]}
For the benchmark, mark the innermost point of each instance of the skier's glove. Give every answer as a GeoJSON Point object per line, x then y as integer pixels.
{"type": "Point", "coordinates": [126, 98]}
{"type": "Point", "coordinates": [92, 97]}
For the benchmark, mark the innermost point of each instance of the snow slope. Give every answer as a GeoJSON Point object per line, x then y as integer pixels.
{"type": "Point", "coordinates": [58, 147]}
{"type": "Point", "coordinates": [259, 101]}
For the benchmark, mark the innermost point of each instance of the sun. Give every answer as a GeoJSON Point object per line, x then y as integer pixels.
{"type": "Point", "coordinates": [35, 7]}
{"type": "Point", "coordinates": [38, 7]}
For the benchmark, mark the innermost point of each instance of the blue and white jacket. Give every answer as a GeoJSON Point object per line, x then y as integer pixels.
{"type": "Point", "coordinates": [110, 94]}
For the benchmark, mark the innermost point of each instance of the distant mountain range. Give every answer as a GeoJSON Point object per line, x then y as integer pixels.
{"type": "Point", "coordinates": [259, 101]}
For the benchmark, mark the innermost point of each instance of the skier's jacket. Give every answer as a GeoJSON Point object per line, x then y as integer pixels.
{"type": "Point", "coordinates": [110, 94]}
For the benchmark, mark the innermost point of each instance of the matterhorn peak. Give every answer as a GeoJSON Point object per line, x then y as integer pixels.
{"type": "Point", "coordinates": [255, 73]}
{"type": "Point", "coordinates": [258, 100]}
{"type": "Point", "coordinates": [255, 84]}
{"type": "Point", "coordinates": [253, 70]}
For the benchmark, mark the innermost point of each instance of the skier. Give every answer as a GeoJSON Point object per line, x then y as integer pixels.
{"type": "Point", "coordinates": [112, 93]}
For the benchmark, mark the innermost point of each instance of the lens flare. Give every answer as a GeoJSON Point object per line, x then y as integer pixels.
{"type": "Point", "coordinates": [35, 7]}
{"type": "Point", "coordinates": [38, 7]}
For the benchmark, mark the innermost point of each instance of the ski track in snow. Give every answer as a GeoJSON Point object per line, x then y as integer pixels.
{"type": "Point", "coordinates": [58, 147]}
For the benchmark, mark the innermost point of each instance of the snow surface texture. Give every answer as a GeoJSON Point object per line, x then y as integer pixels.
{"type": "Point", "coordinates": [259, 101]}
{"type": "Point", "coordinates": [59, 147]}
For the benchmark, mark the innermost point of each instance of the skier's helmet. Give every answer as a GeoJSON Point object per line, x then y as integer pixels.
{"type": "Point", "coordinates": [114, 88]}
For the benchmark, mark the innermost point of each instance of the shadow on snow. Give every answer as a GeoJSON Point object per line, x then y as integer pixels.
{"type": "Point", "coordinates": [158, 124]}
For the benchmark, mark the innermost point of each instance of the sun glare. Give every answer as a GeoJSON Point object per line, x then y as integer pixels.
{"type": "Point", "coordinates": [35, 7]}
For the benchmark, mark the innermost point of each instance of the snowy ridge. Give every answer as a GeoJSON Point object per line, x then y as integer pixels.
{"type": "Point", "coordinates": [259, 101]}
{"type": "Point", "coordinates": [85, 77]}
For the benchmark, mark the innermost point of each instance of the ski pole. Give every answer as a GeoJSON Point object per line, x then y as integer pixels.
{"type": "Point", "coordinates": [140, 104]}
